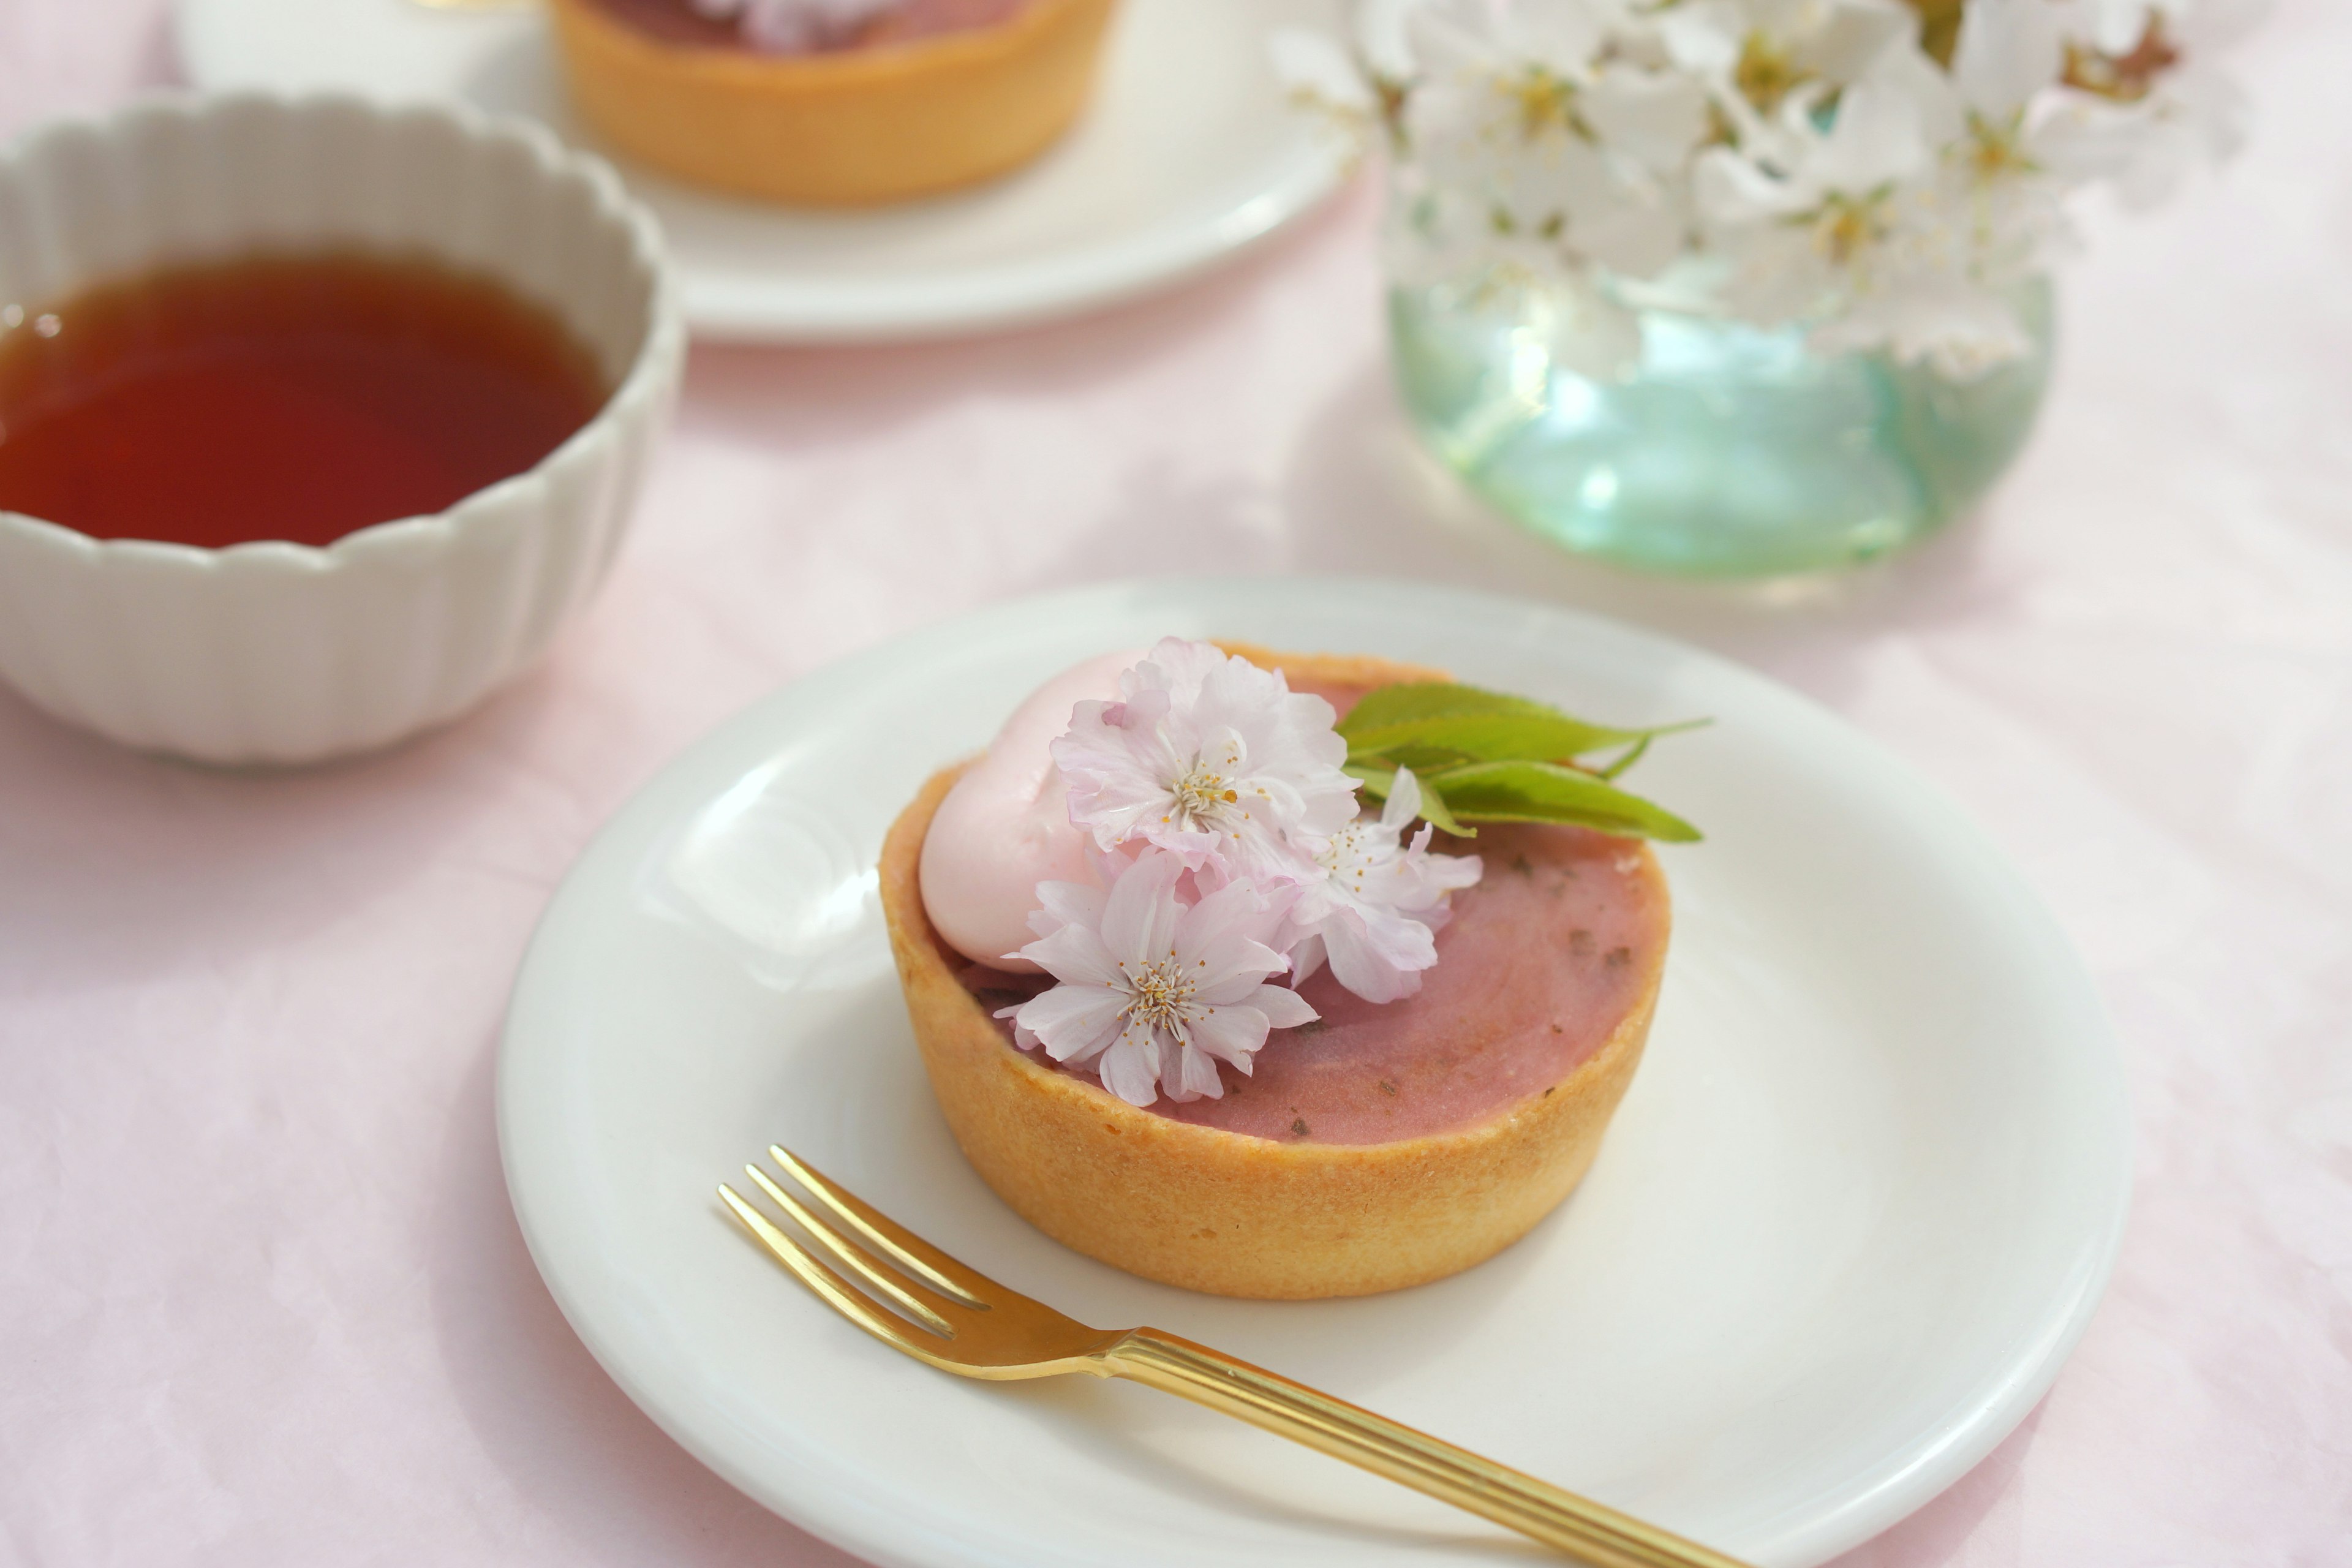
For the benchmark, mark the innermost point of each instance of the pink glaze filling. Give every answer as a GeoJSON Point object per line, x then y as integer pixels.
{"type": "Point", "coordinates": [677, 21]}
{"type": "Point", "coordinates": [1541, 961]}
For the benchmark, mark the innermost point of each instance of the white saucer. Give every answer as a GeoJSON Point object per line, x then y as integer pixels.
{"type": "Point", "coordinates": [1188, 155]}
{"type": "Point", "coordinates": [1854, 1213]}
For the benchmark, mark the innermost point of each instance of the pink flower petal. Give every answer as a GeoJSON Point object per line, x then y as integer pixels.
{"type": "Point", "coordinates": [1130, 1067]}
{"type": "Point", "coordinates": [1284, 1008]}
{"type": "Point", "coordinates": [1072, 1022]}
{"type": "Point", "coordinates": [1138, 920]}
{"type": "Point", "coordinates": [1074, 954]}
{"type": "Point", "coordinates": [1230, 1034]}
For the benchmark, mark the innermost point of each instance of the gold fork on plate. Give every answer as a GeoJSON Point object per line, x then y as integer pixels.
{"type": "Point", "coordinates": [914, 1298]}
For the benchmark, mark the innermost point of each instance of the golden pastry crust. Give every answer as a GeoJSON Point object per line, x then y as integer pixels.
{"type": "Point", "coordinates": [849, 129]}
{"type": "Point", "coordinates": [1222, 1212]}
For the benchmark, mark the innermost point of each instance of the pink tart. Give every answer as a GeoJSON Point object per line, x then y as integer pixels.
{"type": "Point", "coordinates": [831, 102]}
{"type": "Point", "coordinates": [1377, 1144]}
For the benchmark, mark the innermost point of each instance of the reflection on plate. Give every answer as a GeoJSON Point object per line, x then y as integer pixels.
{"type": "Point", "coordinates": [763, 873]}
{"type": "Point", "coordinates": [1853, 1214]}
{"type": "Point", "coordinates": [1188, 155]}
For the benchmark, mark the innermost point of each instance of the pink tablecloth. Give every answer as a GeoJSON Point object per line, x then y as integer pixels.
{"type": "Point", "coordinates": [261, 1298]}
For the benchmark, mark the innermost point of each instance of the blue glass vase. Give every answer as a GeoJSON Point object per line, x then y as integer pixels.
{"type": "Point", "coordinates": [1725, 450]}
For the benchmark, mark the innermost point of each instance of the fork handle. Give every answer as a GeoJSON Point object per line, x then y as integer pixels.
{"type": "Point", "coordinates": [1600, 1535]}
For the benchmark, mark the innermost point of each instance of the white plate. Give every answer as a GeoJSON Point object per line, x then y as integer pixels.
{"type": "Point", "coordinates": [1855, 1211]}
{"type": "Point", "coordinates": [1188, 153]}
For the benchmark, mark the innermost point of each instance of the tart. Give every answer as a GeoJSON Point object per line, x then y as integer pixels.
{"type": "Point", "coordinates": [899, 116]}
{"type": "Point", "coordinates": [1382, 1147]}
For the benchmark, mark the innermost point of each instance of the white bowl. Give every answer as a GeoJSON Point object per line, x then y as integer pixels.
{"type": "Point", "coordinates": [285, 653]}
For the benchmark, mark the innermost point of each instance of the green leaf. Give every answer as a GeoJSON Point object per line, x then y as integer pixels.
{"type": "Point", "coordinates": [1631, 755]}
{"type": "Point", "coordinates": [1433, 721]}
{"type": "Point", "coordinates": [1424, 758]}
{"type": "Point", "coordinates": [1412, 700]}
{"type": "Point", "coordinates": [1483, 756]}
{"type": "Point", "coordinates": [1545, 792]}
{"type": "Point", "coordinates": [1491, 737]}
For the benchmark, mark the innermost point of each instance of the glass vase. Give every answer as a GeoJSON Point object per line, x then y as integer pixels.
{"type": "Point", "coordinates": [1725, 450]}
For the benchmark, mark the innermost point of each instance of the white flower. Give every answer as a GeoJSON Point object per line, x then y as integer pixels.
{"type": "Point", "coordinates": [1993, 127]}
{"type": "Point", "coordinates": [1791, 162]}
{"type": "Point", "coordinates": [1379, 31]}
{"type": "Point", "coordinates": [1768, 63]}
{"type": "Point", "coordinates": [1982, 215]}
{"type": "Point", "coordinates": [1156, 991]}
{"type": "Point", "coordinates": [1376, 914]}
{"type": "Point", "coordinates": [1547, 119]}
{"type": "Point", "coordinates": [795, 26]}
{"type": "Point", "coordinates": [1317, 72]}
{"type": "Point", "coordinates": [1352, 83]}
{"type": "Point", "coordinates": [1210, 758]}
{"type": "Point", "coordinates": [1901, 225]}
{"type": "Point", "coordinates": [1547, 152]}
{"type": "Point", "coordinates": [1805, 239]}
{"type": "Point", "coordinates": [1522, 280]}
{"type": "Point", "coordinates": [2145, 101]}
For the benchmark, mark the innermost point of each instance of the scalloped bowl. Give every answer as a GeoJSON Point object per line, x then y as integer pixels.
{"type": "Point", "coordinates": [274, 652]}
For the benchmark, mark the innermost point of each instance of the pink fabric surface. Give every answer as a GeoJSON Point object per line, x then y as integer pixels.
{"type": "Point", "coordinates": [262, 1300]}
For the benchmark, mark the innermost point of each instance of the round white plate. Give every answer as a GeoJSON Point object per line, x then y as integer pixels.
{"type": "Point", "coordinates": [1855, 1211]}
{"type": "Point", "coordinates": [1188, 153]}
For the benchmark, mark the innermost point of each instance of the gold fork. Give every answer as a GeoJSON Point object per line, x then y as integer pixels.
{"type": "Point", "coordinates": [957, 1319]}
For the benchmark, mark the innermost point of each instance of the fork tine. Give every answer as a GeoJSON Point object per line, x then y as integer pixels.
{"type": "Point", "coordinates": [876, 1276]}
{"type": "Point", "coordinates": [836, 1291]}
{"type": "Point", "coordinates": [919, 1258]}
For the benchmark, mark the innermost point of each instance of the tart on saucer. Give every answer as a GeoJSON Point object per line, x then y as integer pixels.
{"type": "Point", "coordinates": [831, 102]}
{"type": "Point", "coordinates": [1191, 1010]}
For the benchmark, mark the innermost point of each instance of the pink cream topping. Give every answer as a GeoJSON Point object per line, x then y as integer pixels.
{"type": "Point", "coordinates": [1006, 827]}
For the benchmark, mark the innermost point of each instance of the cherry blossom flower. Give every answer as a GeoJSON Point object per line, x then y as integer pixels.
{"type": "Point", "coordinates": [1545, 140]}
{"type": "Point", "coordinates": [1318, 73]}
{"type": "Point", "coordinates": [795, 26]}
{"type": "Point", "coordinates": [1545, 114]}
{"type": "Point", "coordinates": [2146, 101]}
{"type": "Point", "coordinates": [1996, 147]}
{"type": "Point", "coordinates": [1902, 225]}
{"type": "Point", "coordinates": [1830, 226]}
{"type": "Point", "coordinates": [1767, 63]}
{"type": "Point", "coordinates": [1156, 989]}
{"type": "Point", "coordinates": [1376, 915]}
{"type": "Point", "coordinates": [1881, 174]}
{"type": "Point", "coordinates": [1210, 758]}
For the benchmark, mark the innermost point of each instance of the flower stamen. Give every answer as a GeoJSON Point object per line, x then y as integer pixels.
{"type": "Point", "coordinates": [1765, 74]}
{"type": "Point", "coordinates": [1199, 794]}
{"type": "Point", "coordinates": [1159, 998]}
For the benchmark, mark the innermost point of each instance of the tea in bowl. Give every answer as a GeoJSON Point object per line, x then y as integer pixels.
{"type": "Point", "coordinates": [318, 420]}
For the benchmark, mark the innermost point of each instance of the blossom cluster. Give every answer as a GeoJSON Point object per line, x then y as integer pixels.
{"type": "Point", "coordinates": [1883, 173]}
{"type": "Point", "coordinates": [1230, 851]}
{"type": "Point", "coordinates": [794, 26]}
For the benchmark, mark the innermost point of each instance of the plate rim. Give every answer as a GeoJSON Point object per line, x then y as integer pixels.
{"type": "Point", "coordinates": [1887, 1496]}
{"type": "Point", "coordinates": [1293, 181]}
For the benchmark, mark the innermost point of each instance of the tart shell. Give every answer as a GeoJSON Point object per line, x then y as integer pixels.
{"type": "Point", "coordinates": [1222, 1212]}
{"type": "Point", "coordinates": [849, 129]}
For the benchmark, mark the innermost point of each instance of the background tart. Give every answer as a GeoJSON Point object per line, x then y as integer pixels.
{"type": "Point", "coordinates": [839, 128]}
{"type": "Point", "coordinates": [1280, 1211]}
